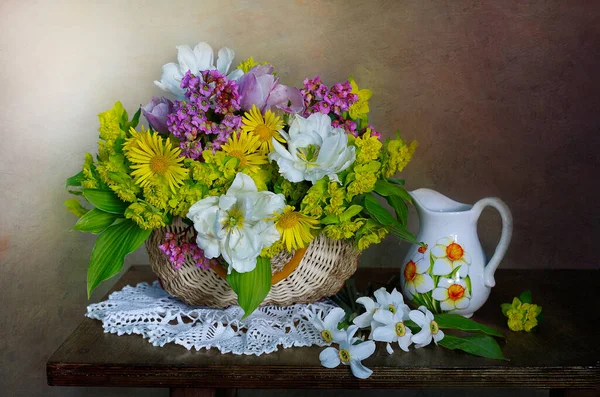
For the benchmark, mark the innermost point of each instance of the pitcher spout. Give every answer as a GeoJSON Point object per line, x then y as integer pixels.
{"type": "Point", "coordinates": [430, 201]}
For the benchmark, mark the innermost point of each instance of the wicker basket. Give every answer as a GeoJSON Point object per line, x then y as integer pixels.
{"type": "Point", "coordinates": [302, 277]}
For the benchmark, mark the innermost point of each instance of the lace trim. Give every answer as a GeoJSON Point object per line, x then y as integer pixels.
{"type": "Point", "coordinates": [149, 311]}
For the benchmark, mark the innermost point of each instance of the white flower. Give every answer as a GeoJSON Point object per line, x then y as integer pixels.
{"type": "Point", "coordinates": [393, 302]}
{"type": "Point", "coordinates": [315, 149]}
{"type": "Point", "coordinates": [429, 328]}
{"type": "Point", "coordinates": [328, 327]}
{"type": "Point", "coordinates": [366, 319]}
{"type": "Point", "coordinates": [392, 329]}
{"type": "Point", "coordinates": [448, 256]}
{"type": "Point", "coordinates": [237, 225]}
{"type": "Point", "coordinates": [349, 354]}
{"type": "Point", "coordinates": [416, 278]}
{"type": "Point", "coordinates": [196, 60]}
{"type": "Point", "coordinates": [452, 294]}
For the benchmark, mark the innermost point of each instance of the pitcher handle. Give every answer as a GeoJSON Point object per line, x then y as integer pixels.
{"type": "Point", "coordinates": [507, 228]}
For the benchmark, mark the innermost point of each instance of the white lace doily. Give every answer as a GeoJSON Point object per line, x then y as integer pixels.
{"type": "Point", "coordinates": [149, 311]}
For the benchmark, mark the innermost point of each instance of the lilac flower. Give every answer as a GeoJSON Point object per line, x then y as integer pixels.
{"type": "Point", "coordinates": [178, 246]}
{"type": "Point", "coordinates": [190, 121]}
{"type": "Point", "coordinates": [156, 112]}
{"type": "Point", "coordinates": [260, 87]}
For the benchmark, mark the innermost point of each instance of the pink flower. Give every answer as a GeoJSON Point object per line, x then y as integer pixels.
{"type": "Point", "coordinates": [260, 87]}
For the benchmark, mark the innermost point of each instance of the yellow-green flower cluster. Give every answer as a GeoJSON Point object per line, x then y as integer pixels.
{"type": "Point", "coordinates": [248, 64]}
{"type": "Point", "coordinates": [522, 316]}
{"type": "Point", "coordinates": [344, 229]}
{"type": "Point", "coordinates": [396, 155]}
{"type": "Point", "coordinates": [368, 148]}
{"type": "Point", "coordinates": [146, 216]}
{"type": "Point", "coordinates": [371, 235]}
{"type": "Point", "coordinates": [187, 194]}
{"type": "Point", "coordinates": [365, 176]}
{"type": "Point", "coordinates": [91, 179]}
{"type": "Point", "coordinates": [217, 171]}
{"type": "Point", "coordinates": [336, 203]}
{"type": "Point", "coordinates": [124, 186]}
{"type": "Point", "coordinates": [315, 196]}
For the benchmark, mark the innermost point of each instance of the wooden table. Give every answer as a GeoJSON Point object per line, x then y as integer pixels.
{"type": "Point", "coordinates": [563, 354]}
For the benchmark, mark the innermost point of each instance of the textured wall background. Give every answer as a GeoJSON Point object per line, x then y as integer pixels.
{"type": "Point", "coordinates": [503, 97]}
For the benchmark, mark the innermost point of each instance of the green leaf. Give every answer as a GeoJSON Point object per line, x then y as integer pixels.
{"type": "Point", "coordinates": [399, 207]}
{"type": "Point", "coordinates": [126, 125]}
{"type": "Point", "coordinates": [350, 212]}
{"type": "Point", "coordinates": [110, 249]}
{"type": "Point", "coordinates": [75, 192]}
{"type": "Point", "coordinates": [251, 287]}
{"type": "Point", "coordinates": [75, 180]}
{"type": "Point", "coordinates": [330, 219]}
{"type": "Point", "coordinates": [505, 308]}
{"type": "Point", "coordinates": [385, 188]}
{"type": "Point", "coordinates": [525, 297]}
{"type": "Point", "coordinates": [478, 345]}
{"type": "Point", "coordinates": [376, 210]}
{"type": "Point", "coordinates": [396, 181]}
{"type": "Point", "coordinates": [381, 215]}
{"type": "Point", "coordinates": [106, 200]}
{"type": "Point", "coordinates": [454, 271]}
{"type": "Point", "coordinates": [456, 321]}
{"type": "Point", "coordinates": [75, 207]}
{"type": "Point", "coordinates": [95, 221]}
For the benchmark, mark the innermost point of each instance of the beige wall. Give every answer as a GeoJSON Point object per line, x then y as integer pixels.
{"type": "Point", "coordinates": [503, 97]}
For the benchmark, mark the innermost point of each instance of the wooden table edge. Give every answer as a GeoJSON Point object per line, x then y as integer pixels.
{"type": "Point", "coordinates": [277, 377]}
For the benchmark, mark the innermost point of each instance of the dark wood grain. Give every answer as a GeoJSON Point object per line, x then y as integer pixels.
{"type": "Point", "coordinates": [563, 353]}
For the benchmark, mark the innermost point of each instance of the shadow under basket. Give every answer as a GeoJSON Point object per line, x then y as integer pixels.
{"type": "Point", "coordinates": [305, 276]}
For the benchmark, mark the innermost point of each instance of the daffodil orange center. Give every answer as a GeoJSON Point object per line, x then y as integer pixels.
{"type": "Point", "coordinates": [159, 164]}
{"type": "Point", "coordinates": [455, 292]}
{"type": "Point", "coordinates": [344, 355]}
{"type": "Point", "coordinates": [454, 252]}
{"type": "Point", "coordinates": [410, 271]}
{"type": "Point", "coordinates": [263, 132]}
{"type": "Point", "coordinates": [288, 220]}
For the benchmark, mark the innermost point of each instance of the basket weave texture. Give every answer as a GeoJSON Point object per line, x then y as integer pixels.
{"type": "Point", "coordinates": [325, 266]}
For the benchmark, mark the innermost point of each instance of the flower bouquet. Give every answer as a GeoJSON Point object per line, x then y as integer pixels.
{"type": "Point", "coordinates": [250, 170]}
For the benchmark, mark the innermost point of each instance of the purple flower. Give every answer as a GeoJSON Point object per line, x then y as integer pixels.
{"type": "Point", "coordinates": [156, 112]}
{"type": "Point", "coordinates": [260, 87]}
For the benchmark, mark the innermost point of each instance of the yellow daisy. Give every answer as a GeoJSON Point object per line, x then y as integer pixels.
{"type": "Point", "coordinates": [265, 128]}
{"type": "Point", "coordinates": [154, 160]}
{"type": "Point", "coordinates": [295, 228]}
{"type": "Point", "coordinates": [246, 147]}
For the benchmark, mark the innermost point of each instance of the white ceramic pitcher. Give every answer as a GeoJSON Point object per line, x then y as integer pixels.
{"type": "Point", "coordinates": [451, 273]}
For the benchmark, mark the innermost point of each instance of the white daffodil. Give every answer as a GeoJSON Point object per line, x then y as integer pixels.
{"type": "Point", "coordinates": [349, 353]}
{"type": "Point", "coordinates": [452, 294]}
{"type": "Point", "coordinates": [448, 256]}
{"type": "Point", "coordinates": [238, 224]}
{"type": "Point", "coordinates": [429, 327]}
{"type": "Point", "coordinates": [393, 302]}
{"type": "Point", "coordinates": [196, 60]}
{"type": "Point", "coordinates": [366, 319]}
{"type": "Point", "coordinates": [314, 149]}
{"type": "Point", "coordinates": [416, 279]}
{"type": "Point", "coordinates": [392, 329]}
{"type": "Point", "coordinates": [328, 326]}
